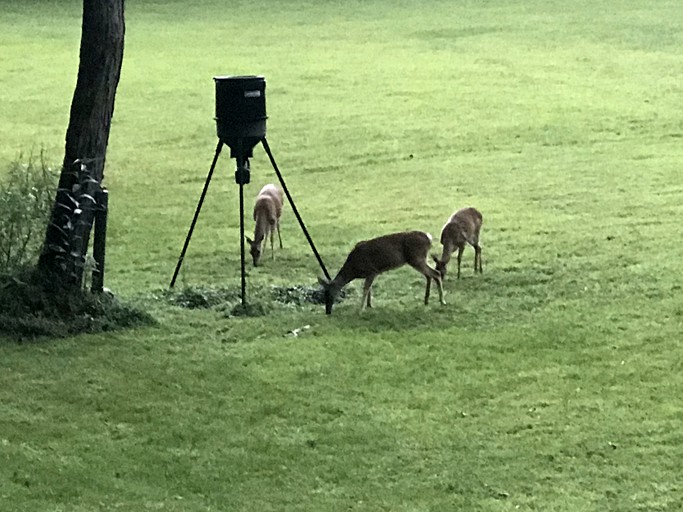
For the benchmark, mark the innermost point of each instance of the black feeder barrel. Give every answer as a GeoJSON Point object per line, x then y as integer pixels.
{"type": "Point", "coordinates": [241, 112]}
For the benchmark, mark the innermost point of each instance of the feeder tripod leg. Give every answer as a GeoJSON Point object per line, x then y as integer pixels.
{"type": "Point", "coordinates": [242, 178]}
{"type": "Point", "coordinates": [196, 213]}
{"type": "Point", "coordinates": [296, 212]}
{"type": "Point", "coordinates": [243, 295]}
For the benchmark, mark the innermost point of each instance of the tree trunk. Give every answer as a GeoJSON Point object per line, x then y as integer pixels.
{"type": "Point", "coordinates": [101, 54]}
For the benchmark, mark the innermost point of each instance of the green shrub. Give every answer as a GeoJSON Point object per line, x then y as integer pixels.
{"type": "Point", "coordinates": [27, 193]}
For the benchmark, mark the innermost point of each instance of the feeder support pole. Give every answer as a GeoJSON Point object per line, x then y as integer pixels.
{"type": "Point", "coordinates": [242, 178]}
{"type": "Point", "coordinates": [296, 212]}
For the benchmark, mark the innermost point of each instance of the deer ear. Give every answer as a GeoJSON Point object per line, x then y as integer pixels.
{"type": "Point", "coordinates": [436, 260]}
{"type": "Point", "coordinates": [249, 240]}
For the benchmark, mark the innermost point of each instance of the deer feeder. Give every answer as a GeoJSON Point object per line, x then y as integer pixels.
{"type": "Point", "coordinates": [241, 113]}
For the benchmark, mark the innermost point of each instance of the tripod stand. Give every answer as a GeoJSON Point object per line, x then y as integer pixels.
{"type": "Point", "coordinates": [242, 175]}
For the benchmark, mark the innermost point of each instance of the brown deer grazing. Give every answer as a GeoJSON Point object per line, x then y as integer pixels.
{"type": "Point", "coordinates": [267, 211]}
{"type": "Point", "coordinates": [370, 258]}
{"type": "Point", "coordinates": [463, 227]}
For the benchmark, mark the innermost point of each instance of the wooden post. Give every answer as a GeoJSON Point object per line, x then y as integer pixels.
{"type": "Point", "coordinates": [100, 239]}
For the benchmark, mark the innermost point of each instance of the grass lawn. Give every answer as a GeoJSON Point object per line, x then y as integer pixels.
{"type": "Point", "coordinates": [551, 382]}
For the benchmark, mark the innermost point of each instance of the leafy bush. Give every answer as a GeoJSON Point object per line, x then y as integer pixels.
{"type": "Point", "coordinates": [26, 197]}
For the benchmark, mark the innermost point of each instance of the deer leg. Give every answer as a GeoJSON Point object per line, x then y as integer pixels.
{"type": "Point", "coordinates": [278, 233]}
{"type": "Point", "coordinates": [430, 274]}
{"type": "Point", "coordinates": [460, 250]}
{"type": "Point", "coordinates": [439, 284]}
{"type": "Point", "coordinates": [272, 242]}
{"type": "Point", "coordinates": [367, 292]}
{"type": "Point", "coordinates": [477, 258]}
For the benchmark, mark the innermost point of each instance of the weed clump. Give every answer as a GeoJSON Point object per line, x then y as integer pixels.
{"type": "Point", "coordinates": [300, 295]}
{"type": "Point", "coordinates": [193, 297]}
{"type": "Point", "coordinates": [31, 308]}
{"type": "Point", "coordinates": [228, 299]}
{"type": "Point", "coordinates": [248, 309]}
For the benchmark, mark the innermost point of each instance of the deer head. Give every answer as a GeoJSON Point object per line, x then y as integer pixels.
{"type": "Point", "coordinates": [440, 266]}
{"type": "Point", "coordinates": [254, 250]}
{"type": "Point", "coordinates": [330, 292]}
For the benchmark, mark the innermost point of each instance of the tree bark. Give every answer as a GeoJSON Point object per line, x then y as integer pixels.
{"type": "Point", "coordinates": [87, 136]}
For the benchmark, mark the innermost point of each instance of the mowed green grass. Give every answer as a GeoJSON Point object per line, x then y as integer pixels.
{"type": "Point", "coordinates": [551, 382]}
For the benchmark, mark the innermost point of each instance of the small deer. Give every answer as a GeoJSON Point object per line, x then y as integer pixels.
{"type": "Point", "coordinates": [267, 211]}
{"type": "Point", "coordinates": [463, 227]}
{"type": "Point", "coordinates": [370, 258]}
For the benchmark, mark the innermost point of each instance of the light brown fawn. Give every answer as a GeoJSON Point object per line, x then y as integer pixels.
{"type": "Point", "coordinates": [267, 211]}
{"type": "Point", "coordinates": [463, 227]}
{"type": "Point", "coordinates": [370, 258]}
